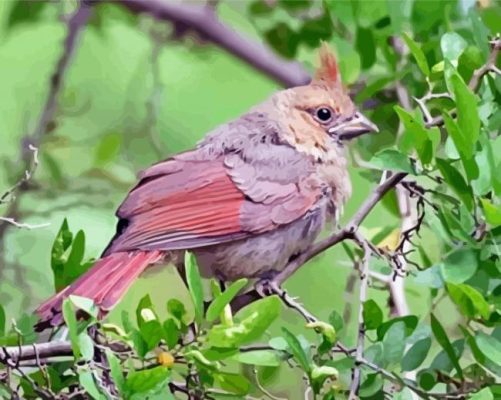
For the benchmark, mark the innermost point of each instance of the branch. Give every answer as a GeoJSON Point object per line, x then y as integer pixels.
{"type": "Point", "coordinates": [203, 20]}
{"type": "Point", "coordinates": [364, 279]}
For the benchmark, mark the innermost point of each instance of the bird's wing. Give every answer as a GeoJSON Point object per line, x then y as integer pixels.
{"type": "Point", "coordinates": [192, 201]}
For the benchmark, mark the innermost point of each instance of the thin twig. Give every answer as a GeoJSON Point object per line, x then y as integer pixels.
{"type": "Point", "coordinates": [364, 278]}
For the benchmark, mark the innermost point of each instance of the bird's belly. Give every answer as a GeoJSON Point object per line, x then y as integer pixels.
{"type": "Point", "coordinates": [262, 254]}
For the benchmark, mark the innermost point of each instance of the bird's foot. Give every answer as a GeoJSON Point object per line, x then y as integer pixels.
{"type": "Point", "coordinates": [269, 287]}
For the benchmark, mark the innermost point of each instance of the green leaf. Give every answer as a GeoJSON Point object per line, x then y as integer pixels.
{"type": "Point", "coordinates": [268, 358]}
{"type": "Point", "coordinates": [324, 371]}
{"type": "Point", "coordinates": [58, 259]}
{"type": "Point", "coordinates": [195, 285]}
{"type": "Point", "coordinates": [233, 383]}
{"type": "Point", "coordinates": [297, 350]}
{"type": "Point", "coordinates": [217, 306]}
{"type": "Point", "coordinates": [348, 59]}
{"type": "Point", "coordinates": [394, 343]}
{"type": "Point", "coordinates": [452, 45]}
{"type": "Point", "coordinates": [492, 213]}
{"type": "Point", "coordinates": [108, 149]}
{"type": "Point", "coordinates": [366, 46]}
{"type": "Point", "coordinates": [177, 310]}
{"type": "Point", "coordinates": [469, 300]}
{"type": "Point", "coordinates": [443, 340]}
{"type": "Point", "coordinates": [84, 304]}
{"type": "Point", "coordinates": [373, 316]}
{"type": "Point", "coordinates": [86, 379]}
{"type": "Point", "coordinates": [459, 266]}
{"type": "Point", "coordinates": [466, 103]}
{"type": "Point", "coordinates": [393, 160]}
{"type": "Point", "coordinates": [250, 323]}
{"type": "Point", "coordinates": [484, 394]}
{"type": "Point", "coordinates": [489, 346]}
{"type": "Point", "coordinates": [116, 371]}
{"type": "Point", "coordinates": [410, 322]}
{"type": "Point", "coordinates": [463, 146]}
{"type": "Point", "coordinates": [416, 136]}
{"type": "Point", "coordinates": [171, 333]}
{"type": "Point", "coordinates": [418, 54]}
{"type": "Point", "coordinates": [145, 311]}
{"type": "Point", "coordinates": [25, 12]}
{"type": "Point", "coordinates": [71, 322]}
{"type": "Point", "coordinates": [415, 356]}
{"type": "Point", "coordinates": [336, 321]}
{"type": "Point", "coordinates": [371, 386]}
{"type": "Point", "coordinates": [456, 182]}
{"type": "Point", "coordinates": [283, 39]}
{"type": "Point", "coordinates": [86, 346]}
{"type": "Point", "coordinates": [141, 384]}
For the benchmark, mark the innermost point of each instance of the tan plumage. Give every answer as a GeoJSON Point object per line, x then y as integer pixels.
{"type": "Point", "coordinates": [254, 193]}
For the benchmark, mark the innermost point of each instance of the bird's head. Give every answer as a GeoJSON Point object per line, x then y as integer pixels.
{"type": "Point", "coordinates": [321, 115]}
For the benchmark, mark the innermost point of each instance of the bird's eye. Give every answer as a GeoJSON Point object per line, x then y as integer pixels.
{"type": "Point", "coordinates": [323, 114]}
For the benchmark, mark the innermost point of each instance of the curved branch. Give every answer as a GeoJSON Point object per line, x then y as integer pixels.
{"type": "Point", "coordinates": [205, 22]}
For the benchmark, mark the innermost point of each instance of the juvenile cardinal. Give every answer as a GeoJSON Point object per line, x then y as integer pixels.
{"type": "Point", "coordinates": [253, 194]}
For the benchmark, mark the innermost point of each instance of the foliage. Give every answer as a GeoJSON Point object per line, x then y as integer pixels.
{"type": "Point", "coordinates": [448, 143]}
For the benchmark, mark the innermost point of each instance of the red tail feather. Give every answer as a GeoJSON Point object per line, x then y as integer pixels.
{"type": "Point", "coordinates": [105, 283]}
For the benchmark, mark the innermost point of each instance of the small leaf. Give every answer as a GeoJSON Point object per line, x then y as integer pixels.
{"type": "Point", "coordinates": [418, 54]}
{"type": "Point", "coordinates": [86, 346]}
{"type": "Point", "coordinates": [324, 371]}
{"type": "Point", "coordinates": [250, 323]}
{"type": "Point", "coordinates": [108, 149]}
{"type": "Point", "coordinates": [466, 102]}
{"type": "Point", "coordinates": [336, 321]}
{"type": "Point", "coordinates": [415, 356]}
{"type": "Point", "coordinates": [489, 346]}
{"type": "Point", "coordinates": [456, 182]}
{"type": "Point", "coordinates": [464, 146]}
{"type": "Point", "coordinates": [452, 45]}
{"type": "Point", "coordinates": [116, 371]}
{"type": "Point", "coordinates": [217, 306]}
{"type": "Point", "coordinates": [492, 213]}
{"type": "Point", "coordinates": [84, 304]}
{"type": "Point", "coordinates": [443, 340]}
{"type": "Point", "coordinates": [194, 285]}
{"type": "Point", "coordinates": [86, 379]}
{"type": "Point", "coordinates": [283, 39]}
{"type": "Point", "coordinates": [297, 350]}
{"type": "Point", "coordinates": [25, 12]}
{"type": "Point", "coordinates": [145, 383]}
{"type": "Point", "coordinates": [484, 394]}
{"type": "Point", "coordinates": [394, 343]}
{"type": "Point", "coordinates": [410, 322]}
{"type": "Point", "coordinates": [268, 358]}
{"type": "Point", "coordinates": [393, 160]}
{"type": "Point", "coordinates": [469, 300]}
{"type": "Point", "coordinates": [171, 333]}
{"type": "Point", "coordinates": [71, 322]}
{"type": "Point", "coordinates": [327, 330]}
{"type": "Point", "coordinates": [233, 383]}
{"type": "Point", "coordinates": [459, 266]}
{"type": "Point", "coordinates": [373, 316]}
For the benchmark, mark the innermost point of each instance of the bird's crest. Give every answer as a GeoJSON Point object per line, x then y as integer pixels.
{"type": "Point", "coordinates": [328, 70]}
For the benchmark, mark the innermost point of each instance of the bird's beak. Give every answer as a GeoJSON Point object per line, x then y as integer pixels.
{"type": "Point", "coordinates": [354, 126]}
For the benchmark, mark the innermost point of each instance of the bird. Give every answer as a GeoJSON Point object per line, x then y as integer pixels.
{"type": "Point", "coordinates": [253, 194]}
